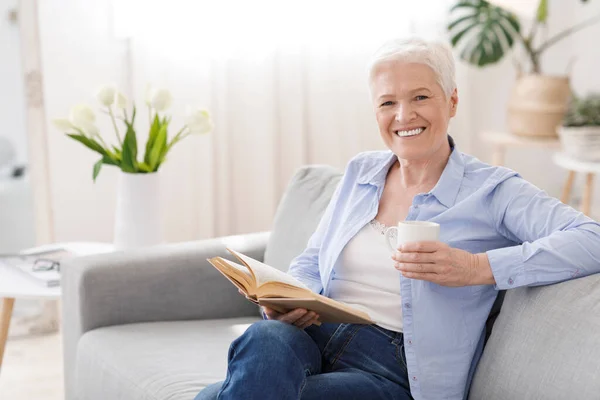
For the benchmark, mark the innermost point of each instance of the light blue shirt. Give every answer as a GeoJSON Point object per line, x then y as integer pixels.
{"type": "Point", "coordinates": [530, 239]}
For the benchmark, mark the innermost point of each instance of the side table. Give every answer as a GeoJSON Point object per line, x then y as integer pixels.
{"type": "Point", "coordinates": [16, 284]}
{"type": "Point", "coordinates": [501, 141]}
{"type": "Point", "coordinates": [573, 165]}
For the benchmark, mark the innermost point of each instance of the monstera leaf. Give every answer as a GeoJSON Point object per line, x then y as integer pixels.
{"type": "Point", "coordinates": [482, 31]}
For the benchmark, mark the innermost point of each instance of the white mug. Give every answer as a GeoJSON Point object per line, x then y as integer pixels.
{"type": "Point", "coordinates": [412, 231]}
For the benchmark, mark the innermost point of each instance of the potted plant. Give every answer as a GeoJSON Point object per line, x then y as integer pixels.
{"type": "Point", "coordinates": [580, 130]}
{"type": "Point", "coordinates": [484, 32]}
{"type": "Point", "coordinates": [138, 219]}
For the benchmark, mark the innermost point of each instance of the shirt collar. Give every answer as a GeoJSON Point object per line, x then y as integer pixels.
{"type": "Point", "coordinates": [377, 169]}
{"type": "Point", "coordinates": [447, 187]}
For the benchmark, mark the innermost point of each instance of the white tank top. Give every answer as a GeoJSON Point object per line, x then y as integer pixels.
{"type": "Point", "coordinates": [366, 278]}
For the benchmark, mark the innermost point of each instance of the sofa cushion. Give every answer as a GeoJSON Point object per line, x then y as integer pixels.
{"type": "Point", "coordinates": [157, 360]}
{"type": "Point", "coordinates": [544, 345]}
{"type": "Point", "coordinates": [299, 213]}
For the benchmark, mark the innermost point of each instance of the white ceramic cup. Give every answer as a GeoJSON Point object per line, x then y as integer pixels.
{"type": "Point", "coordinates": [412, 231]}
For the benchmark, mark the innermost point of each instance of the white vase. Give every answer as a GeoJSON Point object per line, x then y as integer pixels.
{"type": "Point", "coordinates": [138, 220]}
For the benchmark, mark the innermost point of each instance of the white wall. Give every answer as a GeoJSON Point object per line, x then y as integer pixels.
{"type": "Point", "coordinates": [489, 89]}
{"type": "Point", "coordinates": [12, 88]}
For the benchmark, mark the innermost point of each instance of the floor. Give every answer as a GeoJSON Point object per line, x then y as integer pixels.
{"type": "Point", "coordinates": [32, 368]}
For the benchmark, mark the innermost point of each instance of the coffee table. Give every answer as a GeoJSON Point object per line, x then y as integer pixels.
{"type": "Point", "coordinates": [15, 284]}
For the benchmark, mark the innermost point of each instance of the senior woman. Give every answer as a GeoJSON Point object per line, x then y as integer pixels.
{"type": "Point", "coordinates": [430, 300]}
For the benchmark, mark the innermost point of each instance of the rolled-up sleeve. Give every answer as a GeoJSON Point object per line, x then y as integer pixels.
{"type": "Point", "coordinates": [557, 243]}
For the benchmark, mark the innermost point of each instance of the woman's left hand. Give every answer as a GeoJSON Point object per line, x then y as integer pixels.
{"type": "Point", "coordinates": [439, 263]}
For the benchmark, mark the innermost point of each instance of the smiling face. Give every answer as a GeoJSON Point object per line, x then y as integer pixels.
{"type": "Point", "coordinates": [411, 109]}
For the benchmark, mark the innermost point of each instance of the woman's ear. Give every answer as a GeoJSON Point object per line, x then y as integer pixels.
{"type": "Point", "coordinates": [453, 103]}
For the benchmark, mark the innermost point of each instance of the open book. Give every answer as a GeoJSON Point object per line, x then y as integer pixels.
{"type": "Point", "coordinates": [269, 287]}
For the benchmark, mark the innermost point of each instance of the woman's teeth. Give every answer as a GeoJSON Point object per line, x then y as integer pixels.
{"type": "Point", "coordinates": [412, 132]}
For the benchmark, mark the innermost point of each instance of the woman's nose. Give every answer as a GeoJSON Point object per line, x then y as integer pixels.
{"type": "Point", "coordinates": [405, 113]}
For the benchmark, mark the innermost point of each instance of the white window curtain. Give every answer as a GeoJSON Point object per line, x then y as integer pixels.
{"type": "Point", "coordinates": [285, 83]}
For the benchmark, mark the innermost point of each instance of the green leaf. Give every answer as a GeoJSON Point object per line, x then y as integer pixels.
{"type": "Point", "coordinates": [109, 161]}
{"type": "Point", "coordinates": [458, 21]}
{"type": "Point", "coordinates": [482, 32]}
{"type": "Point", "coordinates": [129, 162]}
{"type": "Point", "coordinates": [158, 149]}
{"type": "Point", "coordinates": [507, 34]}
{"type": "Point", "coordinates": [456, 38]}
{"type": "Point", "coordinates": [97, 167]}
{"type": "Point", "coordinates": [542, 11]}
{"type": "Point", "coordinates": [156, 124]}
{"type": "Point", "coordinates": [464, 4]}
{"type": "Point", "coordinates": [144, 167]}
{"type": "Point", "coordinates": [89, 143]}
{"type": "Point", "coordinates": [133, 116]}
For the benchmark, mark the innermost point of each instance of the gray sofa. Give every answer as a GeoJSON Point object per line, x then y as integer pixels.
{"type": "Point", "coordinates": [156, 323]}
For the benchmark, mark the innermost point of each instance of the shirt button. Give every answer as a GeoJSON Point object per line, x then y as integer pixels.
{"type": "Point", "coordinates": [409, 342]}
{"type": "Point", "coordinates": [407, 305]}
{"type": "Point", "coordinates": [510, 281]}
{"type": "Point", "coordinates": [414, 378]}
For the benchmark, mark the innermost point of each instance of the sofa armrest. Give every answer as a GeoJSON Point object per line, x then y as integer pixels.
{"type": "Point", "coordinates": [160, 283]}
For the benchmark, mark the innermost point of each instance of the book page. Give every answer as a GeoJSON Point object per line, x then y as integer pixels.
{"type": "Point", "coordinates": [238, 274]}
{"type": "Point", "coordinates": [242, 268]}
{"type": "Point", "coordinates": [265, 273]}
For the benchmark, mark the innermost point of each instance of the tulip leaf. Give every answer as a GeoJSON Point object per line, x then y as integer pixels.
{"type": "Point", "coordinates": [152, 138]}
{"type": "Point", "coordinates": [97, 167]}
{"type": "Point", "coordinates": [144, 167]}
{"type": "Point", "coordinates": [109, 161]}
{"type": "Point", "coordinates": [89, 143]}
{"type": "Point", "coordinates": [158, 148]}
{"type": "Point", "coordinates": [128, 163]}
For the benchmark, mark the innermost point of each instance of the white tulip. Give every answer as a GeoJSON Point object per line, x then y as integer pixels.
{"type": "Point", "coordinates": [89, 128]}
{"type": "Point", "coordinates": [161, 99]}
{"type": "Point", "coordinates": [106, 95]}
{"type": "Point", "coordinates": [81, 113]}
{"type": "Point", "coordinates": [63, 125]}
{"type": "Point", "coordinates": [121, 100]}
{"type": "Point", "coordinates": [83, 117]}
{"type": "Point", "coordinates": [199, 122]}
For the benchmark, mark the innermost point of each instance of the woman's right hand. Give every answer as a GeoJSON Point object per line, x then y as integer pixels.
{"type": "Point", "coordinates": [298, 317]}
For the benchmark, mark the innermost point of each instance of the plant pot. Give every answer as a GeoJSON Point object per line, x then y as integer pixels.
{"type": "Point", "coordinates": [138, 219]}
{"type": "Point", "coordinates": [538, 104]}
{"type": "Point", "coordinates": [581, 142]}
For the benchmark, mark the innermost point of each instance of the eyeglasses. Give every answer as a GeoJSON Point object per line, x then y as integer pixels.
{"type": "Point", "coordinates": [44, 264]}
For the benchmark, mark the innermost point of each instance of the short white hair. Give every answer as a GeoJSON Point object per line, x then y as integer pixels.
{"type": "Point", "coordinates": [437, 55]}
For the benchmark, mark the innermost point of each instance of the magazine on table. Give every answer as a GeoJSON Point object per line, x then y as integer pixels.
{"type": "Point", "coordinates": [42, 266]}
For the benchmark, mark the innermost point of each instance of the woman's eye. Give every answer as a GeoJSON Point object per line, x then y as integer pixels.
{"type": "Point", "coordinates": [421, 97]}
{"type": "Point", "coordinates": [387, 103]}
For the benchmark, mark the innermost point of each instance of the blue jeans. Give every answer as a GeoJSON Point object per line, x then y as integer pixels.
{"type": "Point", "coordinates": [274, 360]}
